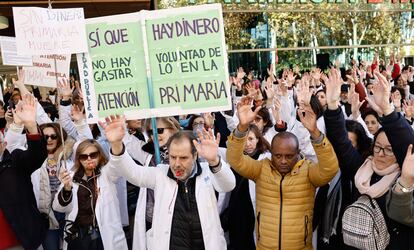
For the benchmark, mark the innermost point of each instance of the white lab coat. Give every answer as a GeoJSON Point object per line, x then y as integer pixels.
{"type": "Point", "coordinates": [106, 209]}
{"type": "Point", "coordinates": [165, 190]}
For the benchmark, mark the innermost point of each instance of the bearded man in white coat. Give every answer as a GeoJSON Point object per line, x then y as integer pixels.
{"type": "Point", "coordinates": [185, 211]}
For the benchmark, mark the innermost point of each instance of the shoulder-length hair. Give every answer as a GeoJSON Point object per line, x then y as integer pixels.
{"type": "Point", "coordinates": [81, 148]}
{"type": "Point", "coordinates": [262, 144]}
{"type": "Point", "coordinates": [56, 128]}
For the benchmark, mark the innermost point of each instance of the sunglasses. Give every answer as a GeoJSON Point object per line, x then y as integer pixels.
{"type": "Point", "coordinates": [160, 131]}
{"type": "Point", "coordinates": [93, 155]}
{"type": "Point", "coordinates": [53, 137]}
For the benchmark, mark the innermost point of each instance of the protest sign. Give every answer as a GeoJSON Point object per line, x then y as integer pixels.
{"type": "Point", "coordinates": [9, 53]}
{"type": "Point", "coordinates": [42, 31]}
{"type": "Point", "coordinates": [177, 58]}
{"type": "Point", "coordinates": [44, 73]}
{"type": "Point", "coordinates": [188, 60]}
{"type": "Point", "coordinates": [113, 75]}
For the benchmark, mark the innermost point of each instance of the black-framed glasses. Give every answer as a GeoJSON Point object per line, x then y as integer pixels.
{"type": "Point", "coordinates": [93, 155]}
{"type": "Point", "coordinates": [160, 131]}
{"type": "Point", "coordinates": [52, 137]}
{"type": "Point", "coordinates": [198, 124]}
{"type": "Point", "coordinates": [387, 150]}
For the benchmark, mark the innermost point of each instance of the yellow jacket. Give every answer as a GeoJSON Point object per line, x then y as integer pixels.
{"type": "Point", "coordinates": [284, 204]}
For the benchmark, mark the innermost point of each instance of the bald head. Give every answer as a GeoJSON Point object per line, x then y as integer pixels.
{"type": "Point", "coordinates": [285, 152]}
{"type": "Point", "coordinates": [285, 136]}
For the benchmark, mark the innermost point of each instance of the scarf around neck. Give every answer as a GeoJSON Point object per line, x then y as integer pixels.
{"type": "Point", "coordinates": [364, 174]}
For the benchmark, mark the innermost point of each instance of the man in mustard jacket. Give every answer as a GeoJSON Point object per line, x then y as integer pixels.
{"type": "Point", "coordinates": [285, 185]}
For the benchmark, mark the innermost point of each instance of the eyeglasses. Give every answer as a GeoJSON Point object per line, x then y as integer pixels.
{"type": "Point", "coordinates": [387, 151]}
{"type": "Point", "coordinates": [93, 155]}
{"type": "Point", "coordinates": [52, 137]}
{"type": "Point", "coordinates": [160, 131]}
{"type": "Point", "coordinates": [198, 123]}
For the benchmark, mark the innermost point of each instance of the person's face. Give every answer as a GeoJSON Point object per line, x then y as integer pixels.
{"type": "Point", "coordinates": [89, 158]}
{"type": "Point", "coordinates": [199, 121]}
{"type": "Point", "coordinates": [16, 99]}
{"type": "Point", "coordinates": [396, 94]}
{"type": "Point", "coordinates": [51, 139]}
{"type": "Point", "coordinates": [164, 132]}
{"type": "Point", "coordinates": [284, 154]}
{"type": "Point", "coordinates": [251, 143]}
{"type": "Point", "coordinates": [134, 124]}
{"type": "Point", "coordinates": [372, 124]}
{"type": "Point", "coordinates": [353, 138]}
{"type": "Point", "coordinates": [322, 98]}
{"type": "Point", "coordinates": [258, 121]}
{"type": "Point", "coordinates": [344, 96]}
{"type": "Point", "coordinates": [181, 159]}
{"type": "Point", "coordinates": [401, 82]}
{"type": "Point", "coordinates": [383, 154]}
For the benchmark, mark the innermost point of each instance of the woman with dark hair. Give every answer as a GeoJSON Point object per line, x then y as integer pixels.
{"type": "Point", "coordinates": [352, 146]}
{"type": "Point", "coordinates": [46, 181]}
{"type": "Point", "coordinates": [90, 202]}
{"type": "Point", "coordinates": [373, 175]}
{"type": "Point", "coordinates": [371, 119]}
{"type": "Point", "coordinates": [242, 199]}
{"type": "Point", "coordinates": [321, 95]}
{"type": "Point", "coordinates": [397, 97]}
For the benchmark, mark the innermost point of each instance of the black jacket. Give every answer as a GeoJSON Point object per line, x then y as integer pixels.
{"type": "Point", "coordinates": [350, 159]}
{"type": "Point", "coordinates": [186, 232]}
{"type": "Point", "coordinates": [17, 199]}
{"type": "Point", "coordinates": [400, 135]}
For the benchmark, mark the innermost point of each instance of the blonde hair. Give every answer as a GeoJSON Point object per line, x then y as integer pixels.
{"type": "Point", "coordinates": [84, 145]}
{"type": "Point", "coordinates": [170, 121]}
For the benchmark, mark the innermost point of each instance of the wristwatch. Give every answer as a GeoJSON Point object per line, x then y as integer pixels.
{"type": "Point", "coordinates": [403, 188]}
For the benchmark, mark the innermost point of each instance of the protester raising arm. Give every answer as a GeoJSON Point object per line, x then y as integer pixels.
{"type": "Point", "coordinates": [400, 206]}
{"type": "Point", "coordinates": [41, 116]}
{"type": "Point", "coordinates": [348, 156]}
{"type": "Point", "coordinates": [398, 131]}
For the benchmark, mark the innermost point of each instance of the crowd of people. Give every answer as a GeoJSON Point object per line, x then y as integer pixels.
{"type": "Point", "coordinates": [305, 159]}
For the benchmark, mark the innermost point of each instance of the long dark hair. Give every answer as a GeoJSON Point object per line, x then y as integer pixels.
{"type": "Point", "coordinates": [364, 143]}
{"type": "Point", "coordinates": [262, 144]}
{"type": "Point", "coordinates": [56, 128]}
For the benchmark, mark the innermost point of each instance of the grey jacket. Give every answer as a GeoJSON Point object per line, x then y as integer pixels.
{"type": "Point", "coordinates": [400, 207]}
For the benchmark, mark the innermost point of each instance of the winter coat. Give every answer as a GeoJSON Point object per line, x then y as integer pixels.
{"type": "Point", "coordinates": [165, 190]}
{"type": "Point", "coordinates": [284, 204]}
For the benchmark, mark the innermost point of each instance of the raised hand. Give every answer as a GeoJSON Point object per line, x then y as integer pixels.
{"type": "Point", "coordinates": [276, 110]}
{"type": "Point", "coordinates": [355, 105]}
{"type": "Point", "coordinates": [25, 113]}
{"type": "Point", "coordinates": [77, 114]}
{"type": "Point", "coordinates": [407, 172]}
{"type": "Point", "coordinates": [308, 119]}
{"type": "Point", "coordinates": [271, 73]}
{"type": "Point", "coordinates": [65, 90]}
{"type": "Point", "coordinates": [290, 78]}
{"type": "Point", "coordinates": [207, 146]}
{"type": "Point", "coordinates": [251, 90]}
{"type": "Point", "coordinates": [245, 113]}
{"type": "Point", "coordinates": [408, 108]}
{"type": "Point", "coordinates": [114, 127]}
{"type": "Point", "coordinates": [240, 73]}
{"type": "Point", "coordinates": [208, 119]}
{"type": "Point", "coordinates": [20, 81]}
{"type": "Point", "coordinates": [333, 85]}
{"type": "Point", "coordinates": [303, 93]}
{"type": "Point", "coordinates": [66, 180]}
{"type": "Point", "coordinates": [270, 92]}
{"type": "Point", "coordinates": [236, 82]}
{"type": "Point", "coordinates": [316, 74]}
{"type": "Point", "coordinates": [382, 92]}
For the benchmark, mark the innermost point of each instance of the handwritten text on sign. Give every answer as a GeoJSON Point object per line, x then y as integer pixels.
{"type": "Point", "coordinates": [43, 71]}
{"type": "Point", "coordinates": [49, 31]}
